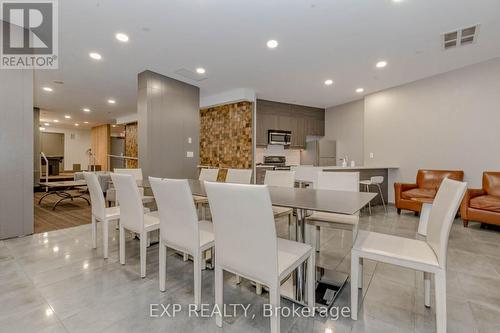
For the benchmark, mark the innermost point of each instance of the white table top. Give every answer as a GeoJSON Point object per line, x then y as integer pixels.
{"type": "Point", "coordinates": [69, 183]}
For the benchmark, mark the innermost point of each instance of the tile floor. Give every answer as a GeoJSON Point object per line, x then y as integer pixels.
{"type": "Point", "coordinates": [55, 282]}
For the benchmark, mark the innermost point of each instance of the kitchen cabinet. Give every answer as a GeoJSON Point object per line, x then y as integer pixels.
{"type": "Point", "coordinates": [300, 120]}
{"type": "Point", "coordinates": [299, 139]}
{"type": "Point", "coordinates": [315, 126]}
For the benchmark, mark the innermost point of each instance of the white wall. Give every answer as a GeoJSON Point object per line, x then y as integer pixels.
{"type": "Point", "coordinates": [74, 149]}
{"type": "Point", "coordinates": [449, 121]}
{"type": "Point", "coordinates": [345, 124]}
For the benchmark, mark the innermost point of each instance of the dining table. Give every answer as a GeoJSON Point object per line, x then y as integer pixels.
{"type": "Point", "coordinates": [304, 200]}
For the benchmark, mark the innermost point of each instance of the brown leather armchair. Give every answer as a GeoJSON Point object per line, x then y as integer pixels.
{"type": "Point", "coordinates": [483, 205]}
{"type": "Point", "coordinates": [412, 196]}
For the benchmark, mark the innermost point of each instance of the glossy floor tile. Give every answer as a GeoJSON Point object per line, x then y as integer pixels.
{"type": "Point", "coordinates": [56, 282]}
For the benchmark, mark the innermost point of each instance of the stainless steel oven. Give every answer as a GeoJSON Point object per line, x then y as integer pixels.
{"type": "Point", "coordinates": [278, 137]}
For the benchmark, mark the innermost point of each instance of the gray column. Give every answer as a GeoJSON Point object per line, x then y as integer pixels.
{"type": "Point", "coordinates": [16, 153]}
{"type": "Point", "coordinates": [168, 126]}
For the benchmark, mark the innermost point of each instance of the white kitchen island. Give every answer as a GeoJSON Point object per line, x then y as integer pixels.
{"type": "Point", "coordinates": [365, 172]}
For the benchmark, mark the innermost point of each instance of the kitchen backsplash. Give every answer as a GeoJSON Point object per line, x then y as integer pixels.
{"type": "Point", "coordinates": [292, 155]}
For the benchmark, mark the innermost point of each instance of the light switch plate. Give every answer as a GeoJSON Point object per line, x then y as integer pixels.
{"type": "Point", "coordinates": [189, 154]}
{"type": "Point", "coordinates": [371, 155]}
{"type": "Point", "coordinates": [190, 140]}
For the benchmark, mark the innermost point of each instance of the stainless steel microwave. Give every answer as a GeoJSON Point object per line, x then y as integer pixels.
{"type": "Point", "coordinates": [278, 137]}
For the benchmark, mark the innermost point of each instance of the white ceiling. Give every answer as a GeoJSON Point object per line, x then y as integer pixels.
{"type": "Point", "coordinates": [318, 39]}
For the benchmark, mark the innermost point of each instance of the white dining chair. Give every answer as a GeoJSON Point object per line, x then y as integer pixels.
{"type": "Point", "coordinates": [422, 235]}
{"type": "Point", "coordinates": [239, 176]}
{"type": "Point", "coordinates": [427, 255]}
{"type": "Point", "coordinates": [210, 175]}
{"type": "Point", "coordinates": [306, 175]}
{"type": "Point", "coordinates": [338, 181]}
{"type": "Point", "coordinates": [133, 217]}
{"type": "Point", "coordinates": [138, 177]}
{"type": "Point", "coordinates": [180, 228]}
{"type": "Point", "coordinates": [281, 178]}
{"type": "Point", "coordinates": [99, 211]}
{"type": "Point", "coordinates": [374, 181]}
{"type": "Point", "coordinates": [246, 243]}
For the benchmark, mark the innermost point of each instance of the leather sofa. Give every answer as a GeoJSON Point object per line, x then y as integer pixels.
{"type": "Point", "coordinates": [412, 196]}
{"type": "Point", "coordinates": [483, 205]}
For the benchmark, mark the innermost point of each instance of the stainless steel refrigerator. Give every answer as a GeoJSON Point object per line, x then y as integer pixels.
{"type": "Point", "coordinates": [319, 152]}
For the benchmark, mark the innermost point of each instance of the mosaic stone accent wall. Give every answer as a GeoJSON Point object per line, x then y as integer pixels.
{"type": "Point", "coordinates": [131, 144]}
{"type": "Point", "coordinates": [226, 136]}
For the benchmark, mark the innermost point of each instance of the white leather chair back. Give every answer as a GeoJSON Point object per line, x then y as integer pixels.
{"type": "Point", "coordinates": [280, 178]}
{"type": "Point", "coordinates": [178, 218]}
{"type": "Point", "coordinates": [442, 214]}
{"type": "Point", "coordinates": [131, 209]}
{"type": "Point", "coordinates": [377, 179]}
{"type": "Point", "coordinates": [209, 175]}
{"type": "Point", "coordinates": [339, 181]}
{"type": "Point", "coordinates": [136, 173]}
{"type": "Point", "coordinates": [96, 195]}
{"type": "Point", "coordinates": [239, 176]}
{"type": "Point", "coordinates": [245, 233]}
{"type": "Point", "coordinates": [307, 173]}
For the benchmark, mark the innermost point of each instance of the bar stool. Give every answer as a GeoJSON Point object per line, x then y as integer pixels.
{"type": "Point", "coordinates": [376, 180]}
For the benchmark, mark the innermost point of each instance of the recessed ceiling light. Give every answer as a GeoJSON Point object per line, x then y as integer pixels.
{"type": "Point", "coordinates": [359, 90]}
{"type": "Point", "coordinates": [111, 101]}
{"type": "Point", "coordinates": [396, 1]}
{"type": "Point", "coordinates": [77, 124]}
{"type": "Point", "coordinates": [95, 56]}
{"type": "Point", "coordinates": [49, 89]}
{"type": "Point", "coordinates": [200, 70]}
{"type": "Point", "coordinates": [42, 128]}
{"type": "Point", "coordinates": [86, 109]}
{"type": "Point", "coordinates": [121, 37]}
{"type": "Point", "coordinates": [85, 122]}
{"type": "Point", "coordinates": [46, 124]}
{"type": "Point", "coordinates": [113, 125]}
{"type": "Point", "coordinates": [328, 82]}
{"type": "Point", "coordinates": [381, 64]}
{"type": "Point", "coordinates": [272, 44]}
{"type": "Point", "coordinates": [67, 116]}
{"type": "Point", "coordinates": [56, 120]}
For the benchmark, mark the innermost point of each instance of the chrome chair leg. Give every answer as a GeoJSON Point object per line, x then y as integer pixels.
{"type": "Point", "coordinates": [382, 197]}
{"type": "Point", "coordinates": [369, 202]}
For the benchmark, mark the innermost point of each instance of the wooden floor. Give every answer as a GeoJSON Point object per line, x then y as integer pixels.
{"type": "Point", "coordinates": [67, 214]}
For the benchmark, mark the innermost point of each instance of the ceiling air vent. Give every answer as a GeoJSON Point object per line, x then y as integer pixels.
{"type": "Point", "coordinates": [191, 75]}
{"type": "Point", "coordinates": [460, 37]}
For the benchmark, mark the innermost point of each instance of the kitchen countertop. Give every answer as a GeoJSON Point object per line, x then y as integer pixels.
{"type": "Point", "coordinates": [361, 167]}
{"type": "Point", "coordinates": [270, 166]}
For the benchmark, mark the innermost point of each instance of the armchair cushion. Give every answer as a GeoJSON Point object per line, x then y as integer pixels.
{"type": "Point", "coordinates": [491, 183]}
{"type": "Point", "coordinates": [486, 202]}
{"type": "Point", "coordinates": [433, 178]}
{"type": "Point", "coordinates": [419, 193]}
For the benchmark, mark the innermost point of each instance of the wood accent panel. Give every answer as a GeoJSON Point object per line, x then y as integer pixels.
{"type": "Point", "coordinates": [226, 136]}
{"type": "Point", "coordinates": [131, 144]}
{"type": "Point", "coordinates": [101, 144]}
